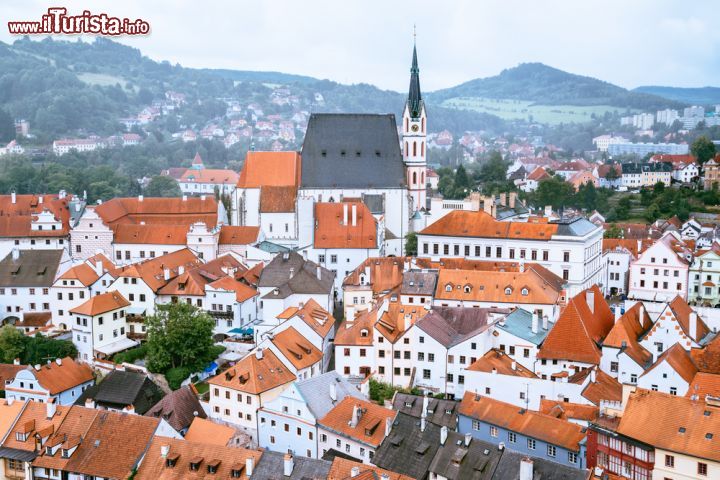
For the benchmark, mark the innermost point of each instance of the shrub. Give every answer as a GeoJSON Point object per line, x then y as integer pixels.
{"type": "Point", "coordinates": [175, 376]}
{"type": "Point", "coordinates": [132, 355]}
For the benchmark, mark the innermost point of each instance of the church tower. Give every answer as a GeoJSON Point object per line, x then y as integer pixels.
{"type": "Point", "coordinates": [414, 133]}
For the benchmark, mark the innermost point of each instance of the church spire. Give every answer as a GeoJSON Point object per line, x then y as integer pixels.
{"type": "Point", "coordinates": [414, 98]}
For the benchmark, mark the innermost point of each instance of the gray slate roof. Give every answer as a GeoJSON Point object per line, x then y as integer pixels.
{"type": "Point", "coordinates": [519, 323]}
{"type": "Point", "coordinates": [178, 408]}
{"type": "Point", "coordinates": [419, 283]}
{"type": "Point", "coordinates": [436, 409]}
{"type": "Point", "coordinates": [291, 273]}
{"type": "Point", "coordinates": [270, 467]}
{"type": "Point", "coordinates": [33, 268]}
{"type": "Point", "coordinates": [453, 325]}
{"type": "Point", "coordinates": [457, 461]}
{"type": "Point", "coordinates": [316, 392]}
{"type": "Point", "coordinates": [509, 468]}
{"type": "Point", "coordinates": [122, 388]}
{"type": "Point", "coordinates": [408, 450]}
{"type": "Point", "coordinates": [352, 151]}
{"type": "Point", "coordinates": [576, 227]}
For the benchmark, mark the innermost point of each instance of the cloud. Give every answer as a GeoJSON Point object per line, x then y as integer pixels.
{"type": "Point", "coordinates": [629, 43]}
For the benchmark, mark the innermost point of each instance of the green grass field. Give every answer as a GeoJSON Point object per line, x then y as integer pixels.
{"type": "Point", "coordinates": [524, 110]}
{"type": "Point", "coordinates": [101, 79]}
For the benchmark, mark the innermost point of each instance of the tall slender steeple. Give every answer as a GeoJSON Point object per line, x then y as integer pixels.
{"type": "Point", "coordinates": [414, 133]}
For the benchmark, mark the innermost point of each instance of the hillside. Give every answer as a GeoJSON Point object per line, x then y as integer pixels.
{"type": "Point", "coordinates": [695, 96]}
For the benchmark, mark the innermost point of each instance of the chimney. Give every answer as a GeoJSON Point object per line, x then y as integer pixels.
{"type": "Point", "coordinates": [592, 376]}
{"type": "Point", "coordinates": [590, 299]}
{"type": "Point", "coordinates": [62, 194]}
{"type": "Point", "coordinates": [333, 392]}
{"type": "Point", "coordinates": [13, 197]}
{"type": "Point", "coordinates": [535, 320]}
{"type": "Point", "coordinates": [140, 198]}
{"type": "Point", "coordinates": [354, 215]}
{"type": "Point", "coordinates": [50, 408]}
{"type": "Point", "coordinates": [493, 211]}
{"type": "Point", "coordinates": [521, 266]}
{"type": "Point", "coordinates": [423, 423]}
{"type": "Point", "coordinates": [511, 200]}
{"type": "Point", "coordinates": [77, 207]}
{"type": "Point", "coordinates": [408, 319]}
{"type": "Point", "coordinates": [288, 464]}
{"type": "Point", "coordinates": [526, 469]}
{"type": "Point", "coordinates": [468, 439]}
{"type": "Point", "coordinates": [16, 361]}
{"type": "Point", "coordinates": [354, 472]}
{"type": "Point", "coordinates": [513, 365]}
{"type": "Point", "coordinates": [184, 198]}
{"type": "Point", "coordinates": [89, 403]}
{"type": "Point", "coordinates": [164, 450]}
{"type": "Point", "coordinates": [693, 325]}
{"type": "Point", "coordinates": [548, 211]}
{"type": "Point", "coordinates": [259, 353]}
{"type": "Point", "coordinates": [40, 199]}
{"type": "Point", "coordinates": [249, 466]}
{"type": "Point", "coordinates": [503, 198]}
{"type": "Point", "coordinates": [203, 197]}
{"type": "Point", "coordinates": [58, 361]}
{"type": "Point", "coordinates": [318, 272]}
{"type": "Point", "coordinates": [488, 204]}
{"type": "Point", "coordinates": [356, 414]}
{"type": "Point", "coordinates": [98, 268]}
{"type": "Point", "coordinates": [545, 322]}
{"type": "Point", "coordinates": [345, 213]}
{"type": "Point", "coordinates": [388, 426]}
{"type": "Point", "coordinates": [129, 409]}
{"type": "Point", "coordinates": [15, 254]}
{"type": "Point", "coordinates": [166, 274]}
{"type": "Point", "coordinates": [424, 406]}
{"type": "Point", "coordinates": [181, 269]}
{"type": "Point", "coordinates": [443, 435]}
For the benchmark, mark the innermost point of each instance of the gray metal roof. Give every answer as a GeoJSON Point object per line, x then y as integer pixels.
{"type": "Point", "coordinates": [33, 268]}
{"type": "Point", "coordinates": [17, 454]}
{"type": "Point", "coordinates": [519, 323]}
{"type": "Point", "coordinates": [509, 467]}
{"type": "Point", "coordinates": [418, 283]}
{"type": "Point", "coordinates": [291, 273]}
{"type": "Point", "coordinates": [352, 151]}
{"type": "Point", "coordinates": [270, 467]}
{"type": "Point", "coordinates": [122, 388]}
{"type": "Point", "coordinates": [437, 410]}
{"type": "Point", "coordinates": [316, 392]}
{"type": "Point", "coordinates": [577, 227]}
{"type": "Point", "coordinates": [407, 449]}
{"type": "Point", "coordinates": [375, 202]}
{"type": "Point", "coordinates": [457, 461]}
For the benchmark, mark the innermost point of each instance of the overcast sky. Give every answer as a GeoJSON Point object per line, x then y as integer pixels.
{"type": "Point", "coordinates": [626, 42]}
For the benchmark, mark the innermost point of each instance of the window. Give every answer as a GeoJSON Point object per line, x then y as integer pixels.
{"type": "Point", "coordinates": [321, 258]}
{"type": "Point", "coordinates": [546, 255]}
{"type": "Point", "coordinates": [614, 367]}
{"type": "Point", "coordinates": [566, 256]}
{"type": "Point", "coordinates": [421, 356]}
{"type": "Point", "coordinates": [551, 451]}
{"type": "Point", "coordinates": [475, 425]}
{"type": "Point", "coordinates": [670, 461]}
{"type": "Point", "coordinates": [493, 431]}
{"type": "Point", "coordinates": [702, 468]}
{"type": "Point", "coordinates": [426, 374]}
{"type": "Point", "coordinates": [572, 457]}
{"type": "Point", "coordinates": [431, 357]}
{"type": "Point", "coordinates": [333, 258]}
{"type": "Point", "coordinates": [461, 379]}
{"type": "Point", "coordinates": [531, 444]}
{"type": "Point", "coordinates": [512, 437]}
{"type": "Point", "coordinates": [566, 274]}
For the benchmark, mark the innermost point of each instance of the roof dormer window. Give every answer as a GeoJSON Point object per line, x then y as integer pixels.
{"type": "Point", "coordinates": [448, 287]}
{"type": "Point", "coordinates": [467, 289]}
{"type": "Point", "coordinates": [508, 291]}
{"type": "Point", "coordinates": [524, 292]}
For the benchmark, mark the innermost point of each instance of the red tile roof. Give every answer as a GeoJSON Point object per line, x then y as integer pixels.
{"type": "Point", "coordinates": [16, 218]}
{"type": "Point", "coordinates": [255, 375]}
{"type": "Point", "coordinates": [238, 235]}
{"type": "Point", "coordinates": [278, 199]}
{"type": "Point", "coordinates": [103, 303]}
{"type": "Point", "coordinates": [270, 169]}
{"type": "Point", "coordinates": [296, 348]}
{"type": "Point", "coordinates": [369, 429]}
{"type": "Point", "coordinates": [332, 231]}
{"type": "Point", "coordinates": [498, 362]}
{"type": "Point", "coordinates": [57, 378]}
{"type": "Point", "coordinates": [211, 176]}
{"type": "Point", "coordinates": [463, 223]}
{"type": "Point", "coordinates": [159, 211]}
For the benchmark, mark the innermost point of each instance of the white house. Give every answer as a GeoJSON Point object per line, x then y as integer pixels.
{"type": "Point", "coordinates": [62, 380]}
{"type": "Point", "coordinates": [660, 273]}
{"type": "Point", "coordinates": [25, 280]}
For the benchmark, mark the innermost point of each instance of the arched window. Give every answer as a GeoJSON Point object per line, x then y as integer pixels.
{"type": "Point", "coordinates": [414, 181]}
{"type": "Point", "coordinates": [364, 332]}
{"type": "Point", "coordinates": [524, 292]}
{"type": "Point", "coordinates": [508, 290]}
{"type": "Point", "coordinates": [406, 124]}
{"type": "Point", "coordinates": [422, 149]}
{"type": "Point", "coordinates": [414, 149]}
{"type": "Point", "coordinates": [407, 152]}
{"type": "Point", "coordinates": [467, 289]}
{"type": "Point", "coordinates": [422, 128]}
{"type": "Point", "coordinates": [448, 287]}
{"type": "Point", "coordinates": [422, 178]}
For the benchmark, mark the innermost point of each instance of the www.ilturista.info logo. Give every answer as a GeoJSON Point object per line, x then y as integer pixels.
{"type": "Point", "coordinates": [57, 21]}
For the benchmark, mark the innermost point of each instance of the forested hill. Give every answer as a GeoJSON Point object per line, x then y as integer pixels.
{"type": "Point", "coordinates": [546, 85]}
{"type": "Point", "coordinates": [694, 96]}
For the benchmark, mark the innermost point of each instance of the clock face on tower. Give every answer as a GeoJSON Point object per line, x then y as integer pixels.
{"type": "Point", "coordinates": [414, 128]}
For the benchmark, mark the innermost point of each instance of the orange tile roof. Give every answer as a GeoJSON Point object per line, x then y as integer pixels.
{"type": "Point", "coordinates": [58, 378]}
{"type": "Point", "coordinates": [195, 279]}
{"type": "Point", "coordinates": [369, 429]}
{"type": "Point", "coordinates": [154, 465]}
{"type": "Point", "coordinates": [682, 312]}
{"type": "Point", "coordinates": [270, 169]}
{"type": "Point", "coordinates": [8, 413]}
{"type": "Point", "coordinates": [538, 174]}
{"type": "Point", "coordinates": [238, 235]}
{"type": "Point", "coordinates": [278, 199]}
{"type": "Point", "coordinates": [495, 360]}
{"type": "Point", "coordinates": [350, 332]}
{"type": "Point", "coordinates": [151, 234]}
{"type": "Point", "coordinates": [73, 427]}
{"type": "Point", "coordinates": [542, 286]}
{"type": "Point", "coordinates": [298, 350]}
{"type": "Point", "coordinates": [383, 273]}
{"type": "Point", "coordinates": [16, 218]}
{"type": "Point", "coordinates": [332, 232]}
{"type": "Point", "coordinates": [152, 270]}
{"type": "Point", "coordinates": [680, 361]}
{"type": "Point", "coordinates": [159, 211]}
{"type": "Point", "coordinates": [85, 272]}
{"type": "Point", "coordinates": [630, 244]}
{"type": "Point", "coordinates": [33, 419]}
{"type": "Point", "coordinates": [704, 384]}
{"type": "Point", "coordinates": [640, 421]}
{"type": "Point", "coordinates": [253, 375]}
{"type": "Point", "coordinates": [604, 387]}
{"type": "Point", "coordinates": [708, 359]}
{"type": "Point", "coordinates": [568, 410]}
{"type": "Point", "coordinates": [206, 431]}
{"type": "Point", "coordinates": [626, 332]}
{"type": "Point", "coordinates": [579, 331]}
{"type": "Point", "coordinates": [313, 315]}
{"type": "Point", "coordinates": [341, 469]}
{"type": "Point", "coordinates": [391, 323]}
{"type": "Point", "coordinates": [463, 223]}
{"type": "Point", "coordinates": [8, 372]}
{"type": "Point", "coordinates": [209, 175]}
{"type": "Point", "coordinates": [242, 292]}
{"type": "Point", "coordinates": [532, 424]}
{"type": "Point", "coordinates": [103, 303]}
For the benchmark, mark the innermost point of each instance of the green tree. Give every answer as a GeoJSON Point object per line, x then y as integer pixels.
{"type": "Point", "coordinates": [40, 349]}
{"type": "Point", "coordinates": [494, 169]}
{"type": "Point", "coordinates": [7, 126]}
{"type": "Point", "coordinates": [613, 232]}
{"type": "Point", "coordinates": [461, 184]}
{"type": "Point", "coordinates": [703, 149]}
{"type": "Point", "coordinates": [12, 343]}
{"type": "Point", "coordinates": [162, 186]}
{"type": "Point", "coordinates": [553, 191]}
{"type": "Point", "coordinates": [179, 335]}
{"type": "Point", "coordinates": [411, 244]}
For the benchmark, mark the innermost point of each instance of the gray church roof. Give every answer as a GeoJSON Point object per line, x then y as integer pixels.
{"type": "Point", "coordinates": [352, 151]}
